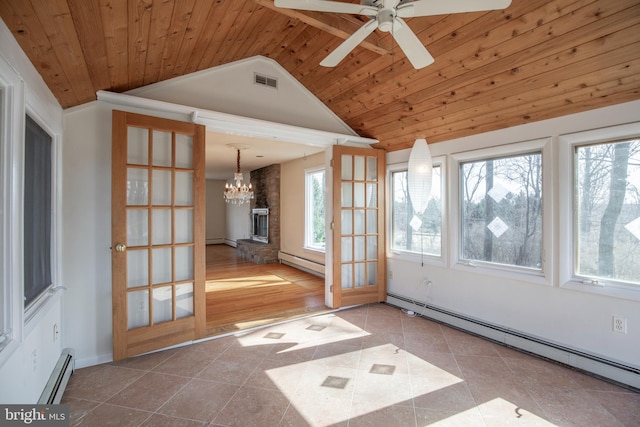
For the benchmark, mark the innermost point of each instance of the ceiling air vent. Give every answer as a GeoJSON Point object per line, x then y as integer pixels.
{"type": "Point", "coordinates": [265, 81]}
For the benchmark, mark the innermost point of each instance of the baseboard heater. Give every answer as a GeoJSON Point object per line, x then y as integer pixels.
{"type": "Point", "coordinates": [304, 264]}
{"type": "Point", "coordinates": [620, 373]}
{"type": "Point", "coordinates": [53, 391]}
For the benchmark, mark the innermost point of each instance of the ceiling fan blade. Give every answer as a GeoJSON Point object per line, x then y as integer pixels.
{"type": "Point", "coordinates": [328, 6]}
{"type": "Point", "coordinates": [430, 7]}
{"type": "Point", "coordinates": [412, 47]}
{"type": "Point", "coordinates": [349, 44]}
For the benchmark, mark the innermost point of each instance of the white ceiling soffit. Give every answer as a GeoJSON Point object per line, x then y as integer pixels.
{"type": "Point", "coordinates": [264, 143]}
{"type": "Point", "coordinates": [238, 125]}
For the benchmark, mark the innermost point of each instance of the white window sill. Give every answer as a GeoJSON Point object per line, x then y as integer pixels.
{"type": "Point", "coordinates": [533, 276]}
{"type": "Point", "coordinates": [629, 292]}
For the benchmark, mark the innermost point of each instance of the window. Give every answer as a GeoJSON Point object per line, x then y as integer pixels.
{"type": "Point", "coordinates": [314, 209]}
{"type": "Point", "coordinates": [607, 208]}
{"type": "Point", "coordinates": [501, 211]}
{"type": "Point", "coordinates": [37, 211]}
{"type": "Point", "coordinates": [427, 238]}
{"type": "Point", "coordinates": [599, 211]}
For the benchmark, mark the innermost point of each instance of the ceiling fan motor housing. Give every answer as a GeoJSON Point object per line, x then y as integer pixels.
{"type": "Point", "coordinates": [385, 19]}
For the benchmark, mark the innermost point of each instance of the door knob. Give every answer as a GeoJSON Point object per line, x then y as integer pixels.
{"type": "Point", "coordinates": [121, 247]}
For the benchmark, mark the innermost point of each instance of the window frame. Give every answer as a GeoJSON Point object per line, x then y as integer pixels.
{"type": "Point", "coordinates": [34, 309]}
{"type": "Point", "coordinates": [12, 100]}
{"type": "Point", "coordinates": [308, 209]}
{"type": "Point", "coordinates": [567, 274]}
{"type": "Point", "coordinates": [17, 101]}
{"type": "Point", "coordinates": [544, 276]}
{"type": "Point", "coordinates": [413, 257]}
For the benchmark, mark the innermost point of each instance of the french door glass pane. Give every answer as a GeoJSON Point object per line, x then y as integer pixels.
{"type": "Point", "coordinates": [184, 263]}
{"type": "Point", "coordinates": [137, 187]}
{"type": "Point", "coordinates": [372, 169]}
{"type": "Point", "coordinates": [347, 251]}
{"type": "Point", "coordinates": [372, 247]}
{"type": "Point", "coordinates": [359, 166]}
{"type": "Point", "coordinates": [358, 221]}
{"type": "Point", "coordinates": [161, 265]}
{"type": "Point", "coordinates": [161, 226]}
{"type": "Point", "coordinates": [183, 225]}
{"type": "Point", "coordinates": [137, 267]}
{"type": "Point", "coordinates": [372, 221]}
{"type": "Point", "coordinates": [137, 227]}
{"type": "Point", "coordinates": [161, 188]}
{"type": "Point", "coordinates": [359, 279]}
{"type": "Point", "coordinates": [184, 300]}
{"type": "Point", "coordinates": [347, 195]}
{"type": "Point", "coordinates": [137, 146]}
{"type": "Point", "coordinates": [358, 248]}
{"type": "Point", "coordinates": [358, 194]}
{"type": "Point", "coordinates": [347, 167]}
{"type": "Point", "coordinates": [347, 218]}
{"type": "Point", "coordinates": [372, 195]}
{"type": "Point", "coordinates": [184, 189]}
{"type": "Point", "coordinates": [372, 273]}
{"type": "Point", "coordinates": [162, 304]}
{"type": "Point", "coordinates": [184, 151]}
{"type": "Point", "coordinates": [161, 148]}
{"type": "Point", "coordinates": [347, 276]}
{"type": "Point", "coordinates": [138, 309]}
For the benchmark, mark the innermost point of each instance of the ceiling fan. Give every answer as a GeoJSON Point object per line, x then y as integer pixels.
{"type": "Point", "coordinates": [386, 15]}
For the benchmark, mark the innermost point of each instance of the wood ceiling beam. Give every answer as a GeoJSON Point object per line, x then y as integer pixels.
{"type": "Point", "coordinates": [342, 26]}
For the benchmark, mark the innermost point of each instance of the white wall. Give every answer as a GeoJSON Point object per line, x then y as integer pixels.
{"type": "Point", "coordinates": [575, 319]}
{"type": "Point", "coordinates": [216, 216]}
{"type": "Point", "coordinates": [292, 197]}
{"type": "Point", "coordinates": [26, 363]}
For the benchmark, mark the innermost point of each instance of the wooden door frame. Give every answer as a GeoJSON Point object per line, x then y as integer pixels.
{"type": "Point", "coordinates": [144, 339]}
{"type": "Point", "coordinates": [333, 295]}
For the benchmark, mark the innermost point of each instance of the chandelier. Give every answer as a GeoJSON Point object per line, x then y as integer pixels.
{"type": "Point", "coordinates": [239, 193]}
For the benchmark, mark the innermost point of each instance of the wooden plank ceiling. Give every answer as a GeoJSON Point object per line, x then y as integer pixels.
{"type": "Point", "coordinates": [535, 60]}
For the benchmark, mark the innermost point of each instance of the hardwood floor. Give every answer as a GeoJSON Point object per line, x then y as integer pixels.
{"type": "Point", "coordinates": [241, 294]}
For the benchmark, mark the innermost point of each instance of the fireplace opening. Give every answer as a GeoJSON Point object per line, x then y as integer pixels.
{"type": "Point", "coordinates": [260, 225]}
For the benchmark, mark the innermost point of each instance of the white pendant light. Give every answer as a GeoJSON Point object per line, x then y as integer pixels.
{"type": "Point", "coordinates": [419, 172]}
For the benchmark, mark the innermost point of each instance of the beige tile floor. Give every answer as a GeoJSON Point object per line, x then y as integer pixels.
{"type": "Point", "coordinates": [365, 366]}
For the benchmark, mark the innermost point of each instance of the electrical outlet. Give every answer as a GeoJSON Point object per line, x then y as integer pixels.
{"type": "Point", "coordinates": [619, 325]}
{"type": "Point", "coordinates": [391, 275]}
{"type": "Point", "coordinates": [34, 360]}
{"type": "Point", "coordinates": [56, 331]}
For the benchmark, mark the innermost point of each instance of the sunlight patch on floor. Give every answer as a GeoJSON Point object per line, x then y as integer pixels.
{"type": "Point", "coordinates": [506, 412]}
{"type": "Point", "coordinates": [378, 377]}
{"type": "Point", "coordinates": [245, 282]}
{"type": "Point", "coordinates": [305, 333]}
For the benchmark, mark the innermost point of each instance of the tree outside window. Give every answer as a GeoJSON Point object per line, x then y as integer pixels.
{"type": "Point", "coordinates": [607, 206]}
{"type": "Point", "coordinates": [501, 210]}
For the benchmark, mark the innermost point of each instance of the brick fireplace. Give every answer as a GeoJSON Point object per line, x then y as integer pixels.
{"type": "Point", "coordinates": [266, 187]}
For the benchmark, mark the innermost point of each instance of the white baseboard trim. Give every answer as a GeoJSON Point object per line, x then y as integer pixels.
{"type": "Point", "coordinates": [230, 243]}
{"type": "Point", "coordinates": [303, 264]}
{"type": "Point", "coordinates": [92, 361]}
{"type": "Point", "coordinates": [216, 241]}
{"type": "Point", "coordinates": [594, 364]}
